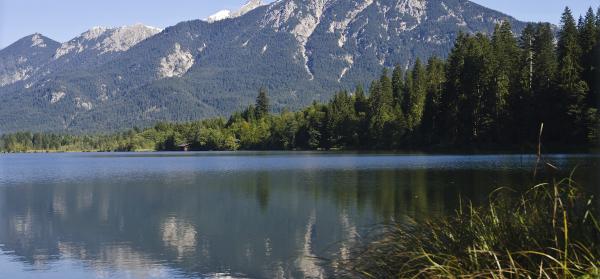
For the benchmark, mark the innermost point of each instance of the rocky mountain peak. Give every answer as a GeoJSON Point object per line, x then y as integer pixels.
{"type": "Point", "coordinates": [249, 6]}
{"type": "Point", "coordinates": [94, 32]}
{"type": "Point", "coordinates": [38, 41]}
{"type": "Point", "coordinates": [225, 14]}
{"type": "Point", "coordinates": [107, 40]}
{"type": "Point", "coordinates": [22, 59]}
{"type": "Point", "coordinates": [122, 38]}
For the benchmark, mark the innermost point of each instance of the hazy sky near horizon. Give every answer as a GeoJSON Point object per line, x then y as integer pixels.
{"type": "Point", "coordinates": [63, 20]}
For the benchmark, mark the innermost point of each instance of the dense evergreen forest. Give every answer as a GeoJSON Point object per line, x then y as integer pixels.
{"type": "Point", "coordinates": [492, 91]}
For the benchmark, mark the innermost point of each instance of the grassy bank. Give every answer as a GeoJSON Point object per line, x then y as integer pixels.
{"type": "Point", "coordinates": [550, 231]}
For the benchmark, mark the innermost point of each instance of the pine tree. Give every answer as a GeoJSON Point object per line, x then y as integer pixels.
{"type": "Point", "coordinates": [342, 120]}
{"type": "Point", "coordinates": [449, 124]}
{"type": "Point", "coordinates": [592, 76]}
{"type": "Point", "coordinates": [405, 95]}
{"type": "Point", "coordinates": [399, 125]}
{"type": "Point", "coordinates": [568, 46]}
{"type": "Point", "coordinates": [523, 124]}
{"type": "Point", "coordinates": [416, 95]}
{"type": "Point", "coordinates": [374, 115]}
{"type": "Point", "coordinates": [588, 34]}
{"type": "Point", "coordinates": [580, 23]}
{"type": "Point", "coordinates": [381, 113]}
{"type": "Point", "coordinates": [474, 114]}
{"type": "Point", "coordinates": [361, 105]}
{"type": "Point", "coordinates": [598, 18]}
{"type": "Point", "coordinates": [545, 60]}
{"type": "Point", "coordinates": [588, 38]}
{"type": "Point", "coordinates": [435, 84]}
{"type": "Point", "coordinates": [398, 128]}
{"type": "Point", "coordinates": [398, 84]}
{"type": "Point", "coordinates": [545, 67]}
{"type": "Point", "coordinates": [503, 79]}
{"type": "Point", "coordinates": [361, 108]}
{"type": "Point", "coordinates": [526, 62]}
{"type": "Point", "coordinates": [387, 90]}
{"type": "Point", "coordinates": [573, 90]}
{"type": "Point", "coordinates": [262, 104]}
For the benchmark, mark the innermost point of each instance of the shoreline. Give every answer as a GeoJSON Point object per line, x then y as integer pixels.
{"type": "Point", "coordinates": [432, 151]}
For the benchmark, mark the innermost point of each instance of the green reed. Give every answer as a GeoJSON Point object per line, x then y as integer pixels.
{"type": "Point", "coordinates": [549, 231]}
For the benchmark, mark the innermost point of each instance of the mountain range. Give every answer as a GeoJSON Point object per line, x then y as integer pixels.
{"type": "Point", "coordinates": [110, 79]}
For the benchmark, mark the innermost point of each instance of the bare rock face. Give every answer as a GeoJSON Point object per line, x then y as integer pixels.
{"type": "Point", "coordinates": [413, 8]}
{"type": "Point", "coordinates": [123, 38]}
{"type": "Point", "coordinates": [342, 25]}
{"type": "Point", "coordinates": [38, 41]}
{"type": "Point", "coordinates": [176, 64]}
{"type": "Point", "coordinates": [57, 96]}
{"type": "Point", "coordinates": [102, 40]}
{"type": "Point", "coordinates": [306, 16]}
{"type": "Point", "coordinates": [249, 6]}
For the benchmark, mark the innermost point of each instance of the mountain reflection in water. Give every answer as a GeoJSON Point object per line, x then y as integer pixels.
{"type": "Point", "coordinates": [257, 215]}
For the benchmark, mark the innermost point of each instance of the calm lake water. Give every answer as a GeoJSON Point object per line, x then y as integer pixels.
{"type": "Point", "coordinates": [237, 215]}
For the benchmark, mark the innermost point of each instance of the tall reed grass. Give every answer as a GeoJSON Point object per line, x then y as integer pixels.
{"type": "Point", "coordinates": [549, 231]}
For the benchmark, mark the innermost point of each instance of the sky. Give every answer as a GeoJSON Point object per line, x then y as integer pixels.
{"type": "Point", "coordinates": [63, 20]}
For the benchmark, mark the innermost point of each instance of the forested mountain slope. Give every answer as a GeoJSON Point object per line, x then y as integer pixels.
{"type": "Point", "coordinates": [300, 50]}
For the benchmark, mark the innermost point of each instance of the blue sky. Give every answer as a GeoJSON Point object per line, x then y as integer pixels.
{"type": "Point", "coordinates": [62, 20]}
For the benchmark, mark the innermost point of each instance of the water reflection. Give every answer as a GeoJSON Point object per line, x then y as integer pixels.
{"type": "Point", "coordinates": [179, 235]}
{"type": "Point", "coordinates": [307, 261]}
{"type": "Point", "coordinates": [202, 221]}
{"type": "Point", "coordinates": [120, 257]}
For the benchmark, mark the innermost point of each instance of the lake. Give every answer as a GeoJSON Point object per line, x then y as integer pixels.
{"type": "Point", "coordinates": [229, 215]}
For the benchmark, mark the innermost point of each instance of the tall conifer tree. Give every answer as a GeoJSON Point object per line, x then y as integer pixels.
{"type": "Point", "coordinates": [262, 104]}
{"type": "Point", "coordinates": [449, 111]}
{"type": "Point", "coordinates": [573, 90]}
{"type": "Point", "coordinates": [416, 95]}
{"type": "Point", "coordinates": [435, 84]}
{"type": "Point", "coordinates": [398, 84]}
{"type": "Point", "coordinates": [503, 79]}
{"type": "Point", "coordinates": [545, 67]}
{"type": "Point", "coordinates": [522, 121]}
{"type": "Point", "coordinates": [588, 38]}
